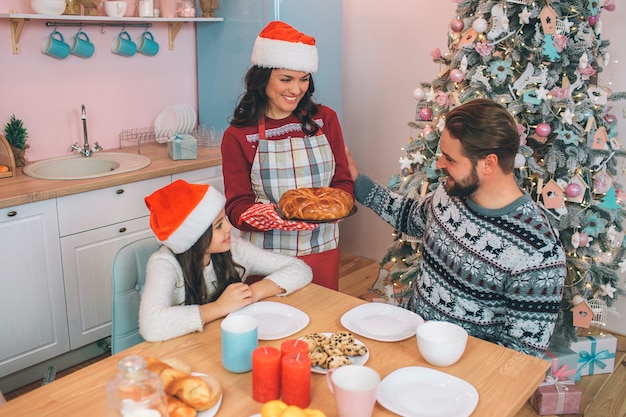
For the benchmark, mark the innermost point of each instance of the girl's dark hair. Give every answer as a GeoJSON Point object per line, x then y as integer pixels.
{"type": "Point", "coordinates": [485, 127]}
{"type": "Point", "coordinates": [253, 103]}
{"type": "Point", "coordinates": [192, 263]}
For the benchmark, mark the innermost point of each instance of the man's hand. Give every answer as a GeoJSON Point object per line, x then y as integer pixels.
{"type": "Point", "coordinates": [354, 170]}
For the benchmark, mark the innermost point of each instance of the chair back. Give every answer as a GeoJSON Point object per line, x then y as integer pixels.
{"type": "Point", "coordinates": [129, 277]}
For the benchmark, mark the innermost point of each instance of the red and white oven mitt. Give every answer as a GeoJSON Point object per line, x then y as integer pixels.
{"type": "Point", "coordinates": [264, 217]}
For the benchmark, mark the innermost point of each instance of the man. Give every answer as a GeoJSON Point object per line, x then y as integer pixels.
{"type": "Point", "coordinates": [491, 261]}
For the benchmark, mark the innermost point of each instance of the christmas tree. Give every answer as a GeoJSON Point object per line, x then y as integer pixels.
{"type": "Point", "coordinates": [543, 61]}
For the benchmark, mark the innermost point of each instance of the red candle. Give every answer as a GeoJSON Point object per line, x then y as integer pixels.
{"type": "Point", "coordinates": [294, 346]}
{"type": "Point", "coordinates": [265, 374]}
{"type": "Point", "coordinates": [296, 381]}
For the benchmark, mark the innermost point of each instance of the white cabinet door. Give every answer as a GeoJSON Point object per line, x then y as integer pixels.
{"type": "Point", "coordinates": [87, 264]}
{"type": "Point", "coordinates": [33, 319]}
{"type": "Point", "coordinates": [211, 175]}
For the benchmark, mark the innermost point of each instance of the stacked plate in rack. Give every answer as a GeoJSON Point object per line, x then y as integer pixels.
{"type": "Point", "coordinates": [174, 119]}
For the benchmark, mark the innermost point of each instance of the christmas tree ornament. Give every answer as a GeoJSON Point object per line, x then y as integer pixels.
{"type": "Point", "coordinates": [582, 312]}
{"type": "Point", "coordinates": [573, 190]}
{"type": "Point", "coordinates": [609, 5]}
{"type": "Point", "coordinates": [457, 25]}
{"type": "Point", "coordinates": [480, 25]}
{"type": "Point", "coordinates": [456, 75]}
{"type": "Point", "coordinates": [552, 195]}
{"type": "Point", "coordinates": [548, 20]}
{"type": "Point", "coordinates": [543, 129]}
{"type": "Point", "coordinates": [593, 20]}
{"type": "Point", "coordinates": [599, 309]}
{"type": "Point", "coordinates": [419, 94]}
{"type": "Point", "coordinates": [602, 182]}
{"type": "Point", "coordinates": [520, 160]}
{"type": "Point", "coordinates": [578, 183]}
{"type": "Point", "coordinates": [426, 114]}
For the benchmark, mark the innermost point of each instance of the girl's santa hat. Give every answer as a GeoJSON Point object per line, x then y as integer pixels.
{"type": "Point", "coordinates": [281, 46]}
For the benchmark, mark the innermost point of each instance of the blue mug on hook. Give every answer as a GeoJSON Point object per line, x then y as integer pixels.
{"type": "Point", "coordinates": [147, 45]}
{"type": "Point", "coordinates": [81, 46]}
{"type": "Point", "coordinates": [123, 45]}
{"type": "Point", "coordinates": [55, 46]}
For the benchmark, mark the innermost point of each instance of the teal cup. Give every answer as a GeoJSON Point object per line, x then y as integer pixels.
{"type": "Point", "coordinates": [81, 46]}
{"type": "Point", "coordinates": [123, 45]}
{"type": "Point", "coordinates": [146, 44]}
{"type": "Point", "coordinates": [239, 339]}
{"type": "Point", "coordinates": [55, 46]}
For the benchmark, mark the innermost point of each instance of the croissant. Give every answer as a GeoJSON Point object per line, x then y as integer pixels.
{"type": "Point", "coordinates": [316, 203]}
{"type": "Point", "coordinates": [177, 408]}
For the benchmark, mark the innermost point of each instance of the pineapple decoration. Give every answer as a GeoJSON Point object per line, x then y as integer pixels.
{"type": "Point", "coordinates": [16, 135]}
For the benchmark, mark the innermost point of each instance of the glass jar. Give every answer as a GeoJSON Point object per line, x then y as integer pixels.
{"type": "Point", "coordinates": [135, 391]}
{"type": "Point", "coordinates": [72, 7]}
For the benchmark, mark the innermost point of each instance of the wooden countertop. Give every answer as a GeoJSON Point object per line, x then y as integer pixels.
{"type": "Point", "coordinates": [504, 378]}
{"type": "Point", "coordinates": [22, 189]}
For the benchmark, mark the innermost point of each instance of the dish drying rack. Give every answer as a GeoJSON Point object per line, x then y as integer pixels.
{"type": "Point", "coordinates": [150, 135]}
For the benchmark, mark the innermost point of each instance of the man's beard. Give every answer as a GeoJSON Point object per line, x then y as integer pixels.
{"type": "Point", "coordinates": [463, 187]}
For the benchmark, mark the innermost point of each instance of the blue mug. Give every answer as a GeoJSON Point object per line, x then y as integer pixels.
{"type": "Point", "coordinates": [55, 46]}
{"type": "Point", "coordinates": [239, 339]}
{"type": "Point", "coordinates": [81, 46]}
{"type": "Point", "coordinates": [147, 45]}
{"type": "Point", "coordinates": [123, 45]}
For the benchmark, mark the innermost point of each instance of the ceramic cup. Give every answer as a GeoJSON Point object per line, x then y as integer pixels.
{"type": "Point", "coordinates": [147, 45]}
{"type": "Point", "coordinates": [115, 8]}
{"type": "Point", "coordinates": [355, 388]}
{"type": "Point", "coordinates": [55, 46]}
{"type": "Point", "coordinates": [123, 45]}
{"type": "Point", "coordinates": [81, 46]}
{"type": "Point", "coordinates": [441, 343]}
{"type": "Point", "coordinates": [239, 339]}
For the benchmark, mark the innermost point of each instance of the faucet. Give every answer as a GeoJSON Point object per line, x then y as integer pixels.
{"type": "Point", "coordinates": [85, 150]}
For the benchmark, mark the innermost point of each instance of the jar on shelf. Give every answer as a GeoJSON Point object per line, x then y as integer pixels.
{"type": "Point", "coordinates": [135, 391]}
{"type": "Point", "coordinates": [72, 7]}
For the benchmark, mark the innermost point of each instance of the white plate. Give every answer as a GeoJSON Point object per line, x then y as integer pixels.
{"type": "Point", "coordinates": [213, 410]}
{"type": "Point", "coordinates": [416, 391]}
{"type": "Point", "coordinates": [276, 320]}
{"type": "Point", "coordinates": [183, 118]}
{"type": "Point", "coordinates": [167, 120]}
{"type": "Point", "coordinates": [192, 117]}
{"type": "Point", "coordinates": [356, 360]}
{"type": "Point", "coordinates": [381, 321]}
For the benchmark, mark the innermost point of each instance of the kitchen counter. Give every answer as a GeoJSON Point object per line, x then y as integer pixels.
{"type": "Point", "coordinates": [22, 189]}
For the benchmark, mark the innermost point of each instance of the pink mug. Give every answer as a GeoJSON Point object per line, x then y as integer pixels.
{"type": "Point", "coordinates": [355, 388]}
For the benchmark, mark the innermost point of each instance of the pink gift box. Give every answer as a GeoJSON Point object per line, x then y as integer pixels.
{"type": "Point", "coordinates": [556, 397]}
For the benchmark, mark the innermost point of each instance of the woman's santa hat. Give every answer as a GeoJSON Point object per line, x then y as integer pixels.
{"type": "Point", "coordinates": [281, 46]}
{"type": "Point", "coordinates": [181, 212]}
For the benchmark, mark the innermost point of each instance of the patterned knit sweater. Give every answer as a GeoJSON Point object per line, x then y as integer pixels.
{"type": "Point", "coordinates": [499, 273]}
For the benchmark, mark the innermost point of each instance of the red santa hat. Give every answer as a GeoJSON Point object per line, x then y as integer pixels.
{"type": "Point", "coordinates": [181, 212]}
{"type": "Point", "coordinates": [281, 46]}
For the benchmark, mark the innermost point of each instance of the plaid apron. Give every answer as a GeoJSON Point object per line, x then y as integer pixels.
{"type": "Point", "coordinates": [281, 165]}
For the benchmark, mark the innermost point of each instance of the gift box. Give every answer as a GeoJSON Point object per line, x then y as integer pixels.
{"type": "Point", "coordinates": [556, 397]}
{"type": "Point", "coordinates": [564, 362]}
{"type": "Point", "coordinates": [183, 147]}
{"type": "Point", "coordinates": [596, 354]}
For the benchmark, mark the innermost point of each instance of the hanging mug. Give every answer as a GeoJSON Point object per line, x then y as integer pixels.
{"type": "Point", "coordinates": [147, 45]}
{"type": "Point", "coordinates": [81, 46]}
{"type": "Point", "coordinates": [55, 46]}
{"type": "Point", "coordinates": [123, 45]}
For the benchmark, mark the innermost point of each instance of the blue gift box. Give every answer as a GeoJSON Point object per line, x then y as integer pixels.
{"type": "Point", "coordinates": [596, 354]}
{"type": "Point", "coordinates": [183, 147]}
{"type": "Point", "coordinates": [564, 362]}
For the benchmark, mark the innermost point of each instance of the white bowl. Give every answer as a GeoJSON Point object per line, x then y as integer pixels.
{"type": "Point", "coordinates": [50, 7]}
{"type": "Point", "coordinates": [441, 343]}
{"type": "Point", "coordinates": [115, 8]}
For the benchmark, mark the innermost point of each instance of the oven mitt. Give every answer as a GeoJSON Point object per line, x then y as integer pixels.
{"type": "Point", "coordinates": [264, 217]}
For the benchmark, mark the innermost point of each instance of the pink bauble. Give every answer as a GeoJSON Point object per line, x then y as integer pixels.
{"type": "Point", "coordinates": [426, 113]}
{"type": "Point", "coordinates": [583, 240]}
{"type": "Point", "coordinates": [419, 94]}
{"type": "Point", "coordinates": [573, 190]}
{"type": "Point", "coordinates": [456, 75]}
{"type": "Point", "coordinates": [480, 25]}
{"type": "Point", "coordinates": [608, 6]}
{"type": "Point", "coordinates": [543, 130]}
{"type": "Point", "coordinates": [426, 130]}
{"type": "Point", "coordinates": [610, 118]}
{"type": "Point", "coordinates": [457, 25]}
{"type": "Point", "coordinates": [593, 20]}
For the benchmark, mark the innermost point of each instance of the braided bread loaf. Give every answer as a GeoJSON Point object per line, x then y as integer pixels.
{"type": "Point", "coordinates": [317, 203]}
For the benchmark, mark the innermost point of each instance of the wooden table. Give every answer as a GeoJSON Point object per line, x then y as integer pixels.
{"type": "Point", "coordinates": [504, 378]}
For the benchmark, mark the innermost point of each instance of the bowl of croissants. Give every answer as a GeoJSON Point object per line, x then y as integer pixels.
{"type": "Point", "coordinates": [188, 393]}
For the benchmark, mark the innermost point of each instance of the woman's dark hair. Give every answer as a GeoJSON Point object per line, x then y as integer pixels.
{"type": "Point", "coordinates": [253, 103]}
{"type": "Point", "coordinates": [192, 263]}
{"type": "Point", "coordinates": [485, 127]}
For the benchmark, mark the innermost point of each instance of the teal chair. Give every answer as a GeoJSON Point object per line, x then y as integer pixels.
{"type": "Point", "coordinates": [129, 277]}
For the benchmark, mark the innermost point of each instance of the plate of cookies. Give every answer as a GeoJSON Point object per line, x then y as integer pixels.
{"type": "Point", "coordinates": [333, 350]}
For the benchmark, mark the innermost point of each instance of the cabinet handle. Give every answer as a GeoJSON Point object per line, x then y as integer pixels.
{"type": "Point", "coordinates": [122, 229]}
{"type": "Point", "coordinates": [12, 213]}
{"type": "Point", "coordinates": [120, 191]}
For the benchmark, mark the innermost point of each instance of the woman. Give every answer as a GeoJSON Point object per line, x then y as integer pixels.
{"type": "Point", "coordinates": [280, 139]}
{"type": "Point", "coordinates": [199, 273]}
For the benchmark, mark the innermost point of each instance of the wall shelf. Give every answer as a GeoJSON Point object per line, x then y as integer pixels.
{"type": "Point", "coordinates": [175, 24]}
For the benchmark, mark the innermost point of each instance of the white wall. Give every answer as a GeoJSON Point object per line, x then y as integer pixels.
{"type": "Point", "coordinates": [388, 49]}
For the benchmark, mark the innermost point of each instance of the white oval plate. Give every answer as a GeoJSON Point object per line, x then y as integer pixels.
{"type": "Point", "coordinates": [416, 391]}
{"type": "Point", "coordinates": [356, 360]}
{"type": "Point", "coordinates": [213, 410]}
{"type": "Point", "coordinates": [167, 120]}
{"type": "Point", "coordinates": [381, 321]}
{"type": "Point", "coordinates": [276, 320]}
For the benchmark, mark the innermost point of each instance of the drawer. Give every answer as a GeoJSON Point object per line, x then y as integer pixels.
{"type": "Point", "coordinates": [211, 175]}
{"type": "Point", "coordinates": [106, 206]}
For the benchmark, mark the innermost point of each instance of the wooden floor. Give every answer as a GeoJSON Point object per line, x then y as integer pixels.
{"type": "Point", "coordinates": [603, 395]}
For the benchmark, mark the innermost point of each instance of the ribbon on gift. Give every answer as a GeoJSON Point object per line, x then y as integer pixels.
{"type": "Point", "coordinates": [592, 358]}
{"type": "Point", "coordinates": [563, 372]}
{"type": "Point", "coordinates": [561, 389]}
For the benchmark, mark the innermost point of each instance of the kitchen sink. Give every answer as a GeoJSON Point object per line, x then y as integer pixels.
{"type": "Point", "coordinates": [78, 167]}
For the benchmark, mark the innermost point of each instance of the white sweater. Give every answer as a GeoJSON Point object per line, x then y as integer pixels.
{"type": "Point", "coordinates": [163, 314]}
